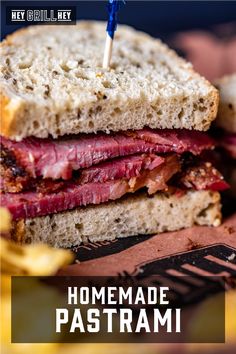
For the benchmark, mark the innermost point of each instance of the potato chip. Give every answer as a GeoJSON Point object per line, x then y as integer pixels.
{"type": "Point", "coordinates": [5, 220]}
{"type": "Point", "coordinates": [38, 259]}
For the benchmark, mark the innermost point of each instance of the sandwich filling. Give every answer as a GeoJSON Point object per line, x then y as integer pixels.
{"type": "Point", "coordinates": [45, 176]}
{"type": "Point", "coordinates": [228, 142]}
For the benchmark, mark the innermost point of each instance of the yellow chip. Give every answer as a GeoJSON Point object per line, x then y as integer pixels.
{"type": "Point", "coordinates": [5, 220]}
{"type": "Point", "coordinates": [36, 259]}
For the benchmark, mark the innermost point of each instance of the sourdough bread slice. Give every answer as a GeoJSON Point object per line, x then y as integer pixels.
{"type": "Point", "coordinates": [226, 118]}
{"type": "Point", "coordinates": [52, 83]}
{"type": "Point", "coordinates": [132, 215]}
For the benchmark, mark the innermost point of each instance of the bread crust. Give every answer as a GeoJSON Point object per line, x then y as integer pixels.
{"type": "Point", "coordinates": [20, 113]}
{"type": "Point", "coordinates": [12, 115]}
{"type": "Point", "coordinates": [8, 116]}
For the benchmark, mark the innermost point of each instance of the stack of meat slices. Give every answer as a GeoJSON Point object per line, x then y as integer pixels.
{"type": "Point", "coordinates": [45, 176]}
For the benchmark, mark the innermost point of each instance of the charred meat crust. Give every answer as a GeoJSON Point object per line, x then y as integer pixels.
{"type": "Point", "coordinates": [8, 161]}
{"type": "Point", "coordinates": [13, 178]}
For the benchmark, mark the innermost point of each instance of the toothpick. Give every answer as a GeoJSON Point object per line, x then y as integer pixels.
{"type": "Point", "coordinates": [107, 52]}
{"type": "Point", "coordinates": [113, 8]}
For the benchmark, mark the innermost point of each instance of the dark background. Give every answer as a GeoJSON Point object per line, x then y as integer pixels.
{"type": "Point", "coordinates": [159, 18]}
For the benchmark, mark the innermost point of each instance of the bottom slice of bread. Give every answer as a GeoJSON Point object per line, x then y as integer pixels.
{"type": "Point", "coordinates": [132, 215]}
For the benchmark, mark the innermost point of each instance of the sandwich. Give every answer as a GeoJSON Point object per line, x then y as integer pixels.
{"type": "Point", "coordinates": [226, 121]}
{"type": "Point", "coordinates": [89, 154]}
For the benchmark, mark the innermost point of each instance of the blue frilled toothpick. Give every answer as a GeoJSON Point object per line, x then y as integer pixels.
{"type": "Point", "coordinates": [113, 8]}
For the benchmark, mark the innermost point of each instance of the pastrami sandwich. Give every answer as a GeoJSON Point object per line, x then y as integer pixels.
{"type": "Point", "coordinates": [94, 154]}
{"type": "Point", "coordinates": [226, 120]}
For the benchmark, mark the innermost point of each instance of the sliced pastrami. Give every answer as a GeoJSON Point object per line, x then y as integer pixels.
{"type": "Point", "coordinates": [73, 194]}
{"type": "Point", "coordinates": [203, 176]}
{"type": "Point", "coordinates": [178, 141]}
{"type": "Point", "coordinates": [49, 158]}
{"type": "Point", "coordinates": [122, 167]}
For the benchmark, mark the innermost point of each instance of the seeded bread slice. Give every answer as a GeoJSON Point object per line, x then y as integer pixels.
{"type": "Point", "coordinates": [131, 215]}
{"type": "Point", "coordinates": [227, 109]}
{"type": "Point", "coordinates": [52, 83]}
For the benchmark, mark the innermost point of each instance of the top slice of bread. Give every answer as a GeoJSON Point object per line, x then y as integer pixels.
{"type": "Point", "coordinates": [227, 109]}
{"type": "Point", "coordinates": [52, 83]}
